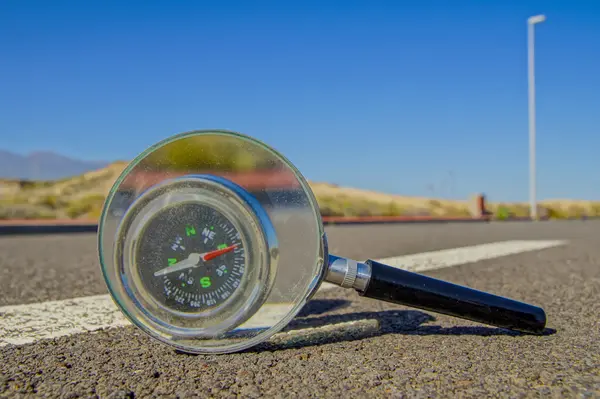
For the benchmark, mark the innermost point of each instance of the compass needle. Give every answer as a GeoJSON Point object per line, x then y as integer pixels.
{"type": "Point", "coordinates": [191, 261]}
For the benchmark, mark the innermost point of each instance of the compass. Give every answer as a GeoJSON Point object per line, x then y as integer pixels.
{"type": "Point", "coordinates": [191, 257]}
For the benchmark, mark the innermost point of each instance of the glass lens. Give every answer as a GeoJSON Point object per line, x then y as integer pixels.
{"type": "Point", "coordinates": [211, 242]}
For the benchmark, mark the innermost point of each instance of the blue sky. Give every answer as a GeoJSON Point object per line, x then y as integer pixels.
{"type": "Point", "coordinates": [408, 97]}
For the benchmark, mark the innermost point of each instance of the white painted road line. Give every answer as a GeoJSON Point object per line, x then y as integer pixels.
{"type": "Point", "coordinates": [460, 256]}
{"type": "Point", "coordinates": [22, 324]}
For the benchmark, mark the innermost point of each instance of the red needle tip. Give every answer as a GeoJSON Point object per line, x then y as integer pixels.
{"type": "Point", "coordinates": [213, 254]}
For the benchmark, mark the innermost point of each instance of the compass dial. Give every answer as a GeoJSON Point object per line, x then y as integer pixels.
{"type": "Point", "coordinates": [191, 258]}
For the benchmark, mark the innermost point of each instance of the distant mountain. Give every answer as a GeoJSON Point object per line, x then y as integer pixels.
{"type": "Point", "coordinates": [43, 165]}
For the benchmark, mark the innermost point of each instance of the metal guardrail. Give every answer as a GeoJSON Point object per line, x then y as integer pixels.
{"type": "Point", "coordinates": [15, 227]}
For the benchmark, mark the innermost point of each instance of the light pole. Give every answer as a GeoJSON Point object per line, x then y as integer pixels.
{"type": "Point", "coordinates": [531, 21]}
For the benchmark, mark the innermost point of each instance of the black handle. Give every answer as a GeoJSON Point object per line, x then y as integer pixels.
{"type": "Point", "coordinates": [403, 287]}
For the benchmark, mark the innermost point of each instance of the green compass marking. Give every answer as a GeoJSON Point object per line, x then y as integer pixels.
{"type": "Point", "coordinates": [190, 230]}
{"type": "Point", "coordinates": [172, 261]}
{"type": "Point", "coordinates": [205, 282]}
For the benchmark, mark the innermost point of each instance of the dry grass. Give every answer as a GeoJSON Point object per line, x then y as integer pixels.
{"type": "Point", "coordinates": [82, 197]}
{"type": "Point", "coordinates": [77, 197]}
{"type": "Point", "coordinates": [345, 201]}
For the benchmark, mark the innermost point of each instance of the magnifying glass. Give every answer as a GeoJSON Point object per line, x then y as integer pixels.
{"type": "Point", "coordinates": [212, 242]}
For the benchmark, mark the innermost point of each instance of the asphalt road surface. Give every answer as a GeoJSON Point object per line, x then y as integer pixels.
{"type": "Point", "coordinates": [341, 345]}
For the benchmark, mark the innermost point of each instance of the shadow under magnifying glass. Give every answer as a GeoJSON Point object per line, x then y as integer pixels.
{"type": "Point", "coordinates": [306, 330]}
{"type": "Point", "coordinates": [311, 329]}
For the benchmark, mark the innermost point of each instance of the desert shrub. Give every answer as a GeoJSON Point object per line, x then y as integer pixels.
{"type": "Point", "coordinates": [434, 204]}
{"type": "Point", "coordinates": [89, 183]}
{"type": "Point", "coordinates": [51, 201]}
{"type": "Point", "coordinates": [520, 211]}
{"type": "Point", "coordinates": [576, 211]}
{"type": "Point", "coordinates": [84, 205]}
{"type": "Point", "coordinates": [24, 211]}
{"type": "Point", "coordinates": [371, 208]}
{"type": "Point", "coordinates": [75, 210]}
{"type": "Point", "coordinates": [9, 200]}
{"type": "Point", "coordinates": [67, 191]}
{"type": "Point", "coordinates": [456, 211]}
{"type": "Point", "coordinates": [360, 208]}
{"type": "Point", "coordinates": [43, 214]}
{"type": "Point", "coordinates": [330, 207]}
{"type": "Point", "coordinates": [594, 209]}
{"type": "Point", "coordinates": [463, 211]}
{"type": "Point", "coordinates": [416, 211]}
{"type": "Point", "coordinates": [348, 206]}
{"type": "Point", "coordinates": [365, 211]}
{"type": "Point", "coordinates": [34, 184]}
{"type": "Point", "coordinates": [95, 213]}
{"type": "Point", "coordinates": [394, 209]}
{"type": "Point", "coordinates": [27, 184]}
{"type": "Point", "coordinates": [556, 213]}
{"type": "Point", "coordinates": [502, 213]}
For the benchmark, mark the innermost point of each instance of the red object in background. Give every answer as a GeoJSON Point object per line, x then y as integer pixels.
{"type": "Point", "coordinates": [481, 209]}
{"type": "Point", "coordinates": [252, 181]}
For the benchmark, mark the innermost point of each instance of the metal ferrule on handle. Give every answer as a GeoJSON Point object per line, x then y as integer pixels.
{"type": "Point", "coordinates": [378, 281]}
